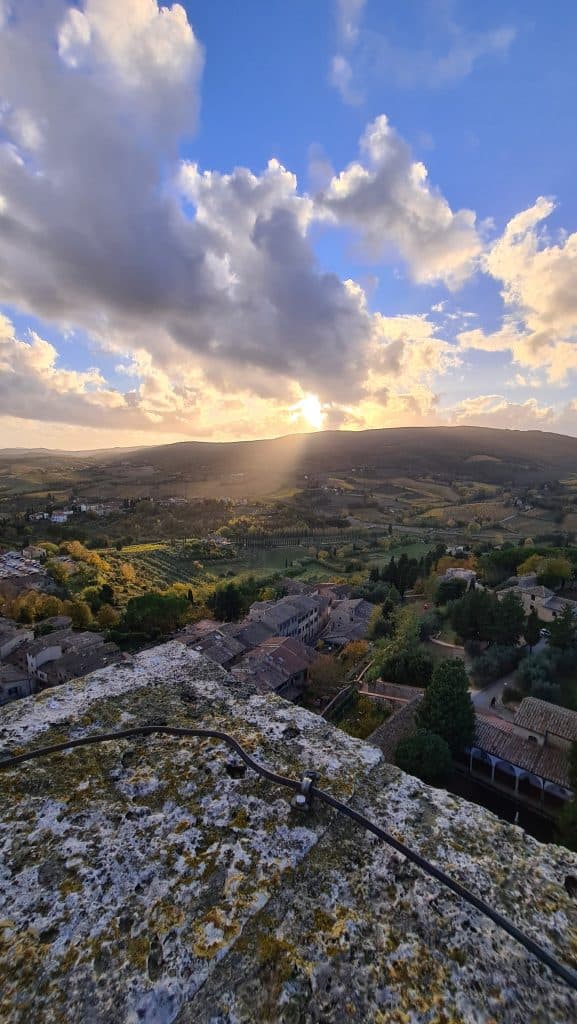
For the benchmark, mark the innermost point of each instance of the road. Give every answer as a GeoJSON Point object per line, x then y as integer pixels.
{"type": "Point", "coordinates": [482, 698]}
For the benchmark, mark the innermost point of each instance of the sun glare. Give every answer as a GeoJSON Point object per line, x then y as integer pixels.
{"type": "Point", "coordinates": [311, 409]}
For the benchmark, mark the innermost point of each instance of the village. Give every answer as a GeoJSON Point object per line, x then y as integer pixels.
{"type": "Point", "coordinates": [361, 655]}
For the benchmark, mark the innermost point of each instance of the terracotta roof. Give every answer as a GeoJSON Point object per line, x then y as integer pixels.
{"type": "Point", "coordinates": [547, 762]}
{"type": "Point", "coordinates": [541, 717]}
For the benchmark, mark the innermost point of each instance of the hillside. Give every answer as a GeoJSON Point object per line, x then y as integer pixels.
{"type": "Point", "coordinates": [260, 467]}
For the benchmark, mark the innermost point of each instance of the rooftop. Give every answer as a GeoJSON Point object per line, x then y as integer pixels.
{"type": "Point", "coordinates": [547, 762]}
{"type": "Point", "coordinates": [141, 882]}
{"type": "Point", "coordinates": [541, 717]}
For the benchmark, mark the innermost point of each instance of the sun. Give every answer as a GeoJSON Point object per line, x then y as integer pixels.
{"type": "Point", "coordinates": [311, 408]}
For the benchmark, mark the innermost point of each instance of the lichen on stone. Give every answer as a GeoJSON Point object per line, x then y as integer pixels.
{"type": "Point", "coordinates": [140, 881]}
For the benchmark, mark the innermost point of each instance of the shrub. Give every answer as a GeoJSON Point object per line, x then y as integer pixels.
{"type": "Point", "coordinates": [495, 662]}
{"type": "Point", "coordinates": [425, 755]}
{"type": "Point", "coordinates": [408, 668]}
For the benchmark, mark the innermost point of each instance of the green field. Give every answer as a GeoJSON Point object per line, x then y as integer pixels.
{"type": "Point", "coordinates": [158, 566]}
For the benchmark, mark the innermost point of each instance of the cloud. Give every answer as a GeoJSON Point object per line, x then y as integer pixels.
{"type": "Point", "coordinates": [101, 227]}
{"type": "Point", "coordinates": [349, 15]}
{"type": "Point", "coordinates": [448, 54]}
{"type": "Point", "coordinates": [539, 288]}
{"type": "Point", "coordinates": [342, 78]}
{"type": "Point", "coordinates": [390, 201]}
{"type": "Point", "coordinates": [496, 411]}
{"type": "Point", "coordinates": [211, 277]}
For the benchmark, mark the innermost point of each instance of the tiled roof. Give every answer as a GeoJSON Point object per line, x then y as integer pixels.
{"type": "Point", "coordinates": [219, 648]}
{"type": "Point", "coordinates": [541, 717]}
{"type": "Point", "coordinates": [547, 762]}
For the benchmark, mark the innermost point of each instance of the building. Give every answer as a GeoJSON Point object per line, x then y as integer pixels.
{"type": "Point", "coordinates": [33, 655]}
{"type": "Point", "coordinates": [61, 516]}
{"type": "Point", "coordinates": [457, 572]}
{"type": "Point", "coordinates": [155, 879]}
{"type": "Point", "coordinates": [348, 620]}
{"type": "Point", "coordinates": [299, 615]}
{"type": "Point", "coordinates": [11, 636]}
{"type": "Point", "coordinates": [34, 552]}
{"type": "Point", "coordinates": [534, 597]}
{"type": "Point", "coordinates": [219, 648]}
{"type": "Point", "coordinates": [79, 663]}
{"type": "Point", "coordinates": [529, 757]}
{"type": "Point", "coordinates": [14, 684]}
{"type": "Point", "coordinates": [279, 664]}
{"type": "Point", "coordinates": [546, 724]}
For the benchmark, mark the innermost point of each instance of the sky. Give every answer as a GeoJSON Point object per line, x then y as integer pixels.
{"type": "Point", "coordinates": [223, 221]}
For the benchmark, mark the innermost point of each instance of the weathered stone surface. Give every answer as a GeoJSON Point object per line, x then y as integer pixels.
{"type": "Point", "coordinates": [141, 880]}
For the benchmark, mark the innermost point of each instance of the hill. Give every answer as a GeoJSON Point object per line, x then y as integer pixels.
{"type": "Point", "coordinates": [258, 468]}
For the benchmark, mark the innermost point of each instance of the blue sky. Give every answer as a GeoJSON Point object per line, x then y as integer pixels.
{"type": "Point", "coordinates": [152, 289]}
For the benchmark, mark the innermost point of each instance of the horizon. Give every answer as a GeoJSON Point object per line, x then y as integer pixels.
{"type": "Point", "coordinates": [228, 225]}
{"type": "Point", "coordinates": [282, 437]}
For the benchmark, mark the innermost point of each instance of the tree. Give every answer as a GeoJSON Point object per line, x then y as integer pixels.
{"type": "Point", "coordinates": [353, 653]}
{"type": "Point", "coordinates": [508, 620]}
{"type": "Point", "coordinates": [108, 617]}
{"type": "Point", "coordinates": [127, 572]}
{"type": "Point", "coordinates": [425, 755]}
{"type": "Point", "coordinates": [226, 602]}
{"type": "Point", "coordinates": [555, 572]}
{"type": "Point", "coordinates": [107, 594]}
{"type": "Point", "coordinates": [450, 590]}
{"type": "Point", "coordinates": [472, 616]}
{"type": "Point", "coordinates": [79, 612]}
{"type": "Point", "coordinates": [326, 674]}
{"type": "Point", "coordinates": [532, 629]}
{"type": "Point", "coordinates": [446, 708]}
{"type": "Point", "coordinates": [563, 629]}
{"type": "Point", "coordinates": [57, 571]}
{"type": "Point", "coordinates": [156, 614]}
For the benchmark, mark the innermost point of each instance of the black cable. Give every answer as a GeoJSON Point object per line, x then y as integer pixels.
{"type": "Point", "coordinates": [533, 947]}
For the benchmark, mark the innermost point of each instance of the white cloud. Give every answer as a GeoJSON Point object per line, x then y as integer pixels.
{"type": "Point", "coordinates": [389, 199]}
{"type": "Point", "coordinates": [539, 289]}
{"type": "Point", "coordinates": [341, 77]}
{"type": "Point", "coordinates": [496, 411]}
{"type": "Point", "coordinates": [349, 14]}
{"type": "Point", "coordinates": [447, 54]}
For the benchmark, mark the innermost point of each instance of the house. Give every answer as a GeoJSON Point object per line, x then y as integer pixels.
{"type": "Point", "coordinates": [219, 648]}
{"type": "Point", "coordinates": [348, 620]}
{"type": "Point", "coordinates": [62, 516]}
{"type": "Point", "coordinates": [528, 756]}
{"type": "Point", "coordinates": [11, 636]}
{"type": "Point", "coordinates": [457, 572]}
{"type": "Point", "coordinates": [33, 655]}
{"type": "Point", "coordinates": [34, 552]}
{"type": "Point", "coordinates": [546, 724]}
{"type": "Point", "coordinates": [300, 615]}
{"type": "Point", "coordinates": [534, 597]}
{"type": "Point", "coordinates": [14, 684]}
{"type": "Point", "coordinates": [78, 663]}
{"type": "Point", "coordinates": [279, 664]}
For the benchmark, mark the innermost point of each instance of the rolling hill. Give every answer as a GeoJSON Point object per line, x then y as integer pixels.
{"type": "Point", "coordinates": [261, 467]}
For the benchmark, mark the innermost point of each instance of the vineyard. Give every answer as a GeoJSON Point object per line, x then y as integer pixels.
{"type": "Point", "coordinates": [154, 567]}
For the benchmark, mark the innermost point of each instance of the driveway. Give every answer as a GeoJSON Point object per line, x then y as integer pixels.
{"type": "Point", "coordinates": [482, 698]}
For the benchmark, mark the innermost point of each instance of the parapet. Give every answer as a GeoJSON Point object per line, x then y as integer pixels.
{"type": "Point", "coordinates": [152, 880]}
